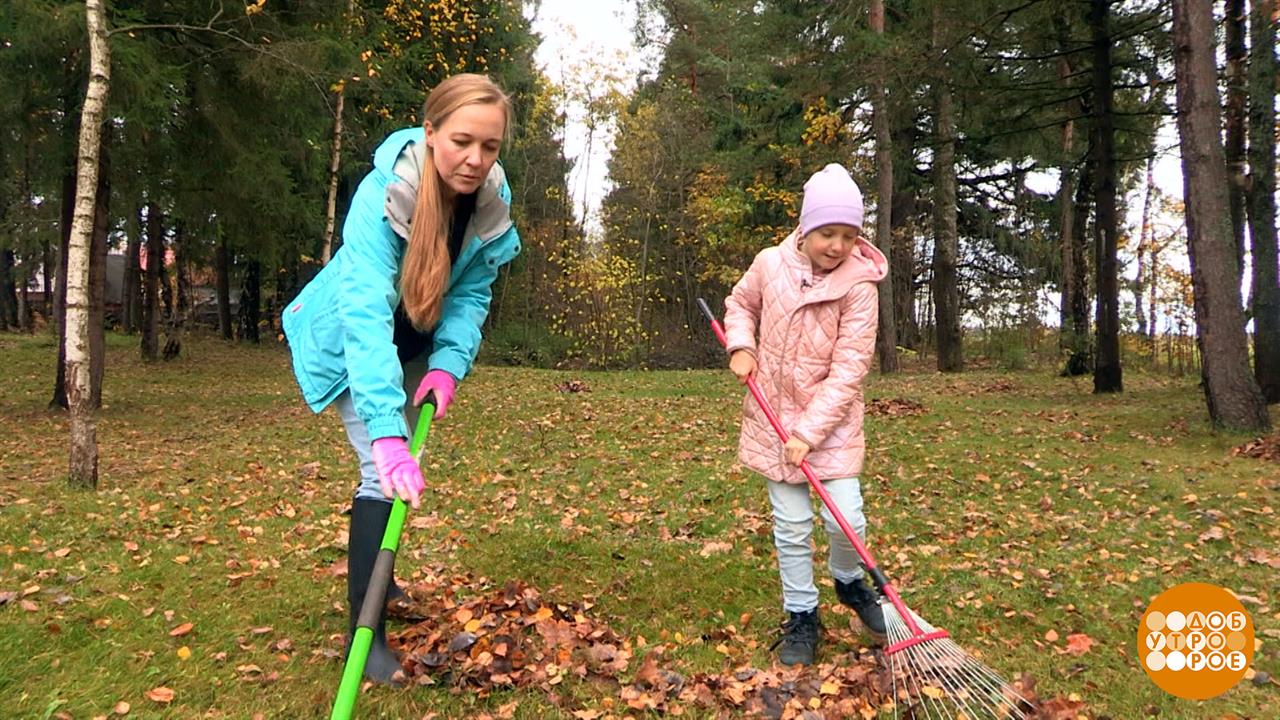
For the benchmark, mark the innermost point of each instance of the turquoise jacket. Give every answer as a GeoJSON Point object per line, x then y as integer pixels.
{"type": "Point", "coordinates": [340, 326]}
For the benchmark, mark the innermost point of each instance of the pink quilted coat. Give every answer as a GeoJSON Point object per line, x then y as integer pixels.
{"type": "Point", "coordinates": [816, 339]}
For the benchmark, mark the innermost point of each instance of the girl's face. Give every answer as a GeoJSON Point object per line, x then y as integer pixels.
{"type": "Point", "coordinates": [829, 245]}
{"type": "Point", "coordinates": [466, 145]}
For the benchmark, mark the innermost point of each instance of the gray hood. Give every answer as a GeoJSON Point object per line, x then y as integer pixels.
{"type": "Point", "coordinates": [491, 219]}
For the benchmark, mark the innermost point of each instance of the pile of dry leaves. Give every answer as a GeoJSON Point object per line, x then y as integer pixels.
{"type": "Point", "coordinates": [1263, 448]}
{"type": "Point", "coordinates": [512, 637]}
{"type": "Point", "coordinates": [894, 407]}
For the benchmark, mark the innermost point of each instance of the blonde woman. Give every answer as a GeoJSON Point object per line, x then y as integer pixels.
{"type": "Point", "coordinates": [395, 317]}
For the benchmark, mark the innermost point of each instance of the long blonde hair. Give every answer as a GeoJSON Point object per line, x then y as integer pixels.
{"type": "Point", "coordinates": [424, 273]}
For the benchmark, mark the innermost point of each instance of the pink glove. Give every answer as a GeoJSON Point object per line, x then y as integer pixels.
{"type": "Point", "coordinates": [440, 385]}
{"type": "Point", "coordinates": [398, 472]}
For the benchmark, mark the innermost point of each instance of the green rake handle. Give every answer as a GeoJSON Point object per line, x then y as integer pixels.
{"type": "Point", "coordinates": [349, 689]}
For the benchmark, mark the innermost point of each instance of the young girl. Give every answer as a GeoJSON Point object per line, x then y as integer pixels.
{"type": "Point", "coordinates": [396, 313]}
{"type": "Point", "coordinates": [802, 321]}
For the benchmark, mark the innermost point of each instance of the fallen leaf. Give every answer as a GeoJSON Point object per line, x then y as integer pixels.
{"type": "Point", "coordinates": [182, 629]}
{"type": "Point", "coordinates": [1078, 644]}
{"type": "Point", "coordinates": [1051, 636]}
{"type": "Point", "coordinates": [715, 547]}
{"type": "Point", "coordinates": [160, 694]}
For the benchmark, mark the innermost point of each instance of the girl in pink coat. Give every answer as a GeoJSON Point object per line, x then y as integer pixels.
{"type": "Point", "coordinates": [802, 321]}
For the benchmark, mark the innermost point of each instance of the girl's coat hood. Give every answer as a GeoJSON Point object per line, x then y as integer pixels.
{"type": "Point", "coordinates": [865, 264]}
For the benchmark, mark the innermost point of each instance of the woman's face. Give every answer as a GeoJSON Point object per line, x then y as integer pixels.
{"type": "Point", "coordinates": [466, 145]}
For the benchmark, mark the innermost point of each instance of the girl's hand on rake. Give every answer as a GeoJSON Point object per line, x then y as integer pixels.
{"type": "Point", "coordinates": [398, 472]}
{"type": "Point", "coordinates": [796, 450]}
{"type": "Point", "coordinates": [743, 364]}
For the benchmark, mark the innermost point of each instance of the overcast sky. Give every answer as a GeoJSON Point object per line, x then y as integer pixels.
{"type": "Point", "coordinates": [580, 34]}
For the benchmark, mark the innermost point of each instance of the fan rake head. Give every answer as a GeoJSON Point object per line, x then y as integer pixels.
{"type": "Point", "coordinates": [933, 677]}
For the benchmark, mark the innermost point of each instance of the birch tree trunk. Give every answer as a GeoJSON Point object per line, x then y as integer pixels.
{"type": "Point", "coordinates": [335, 157]}
{"type": "Point", "coordinates": [84, 442]}
{"type": "Point", "coordinates": [1233, 396]}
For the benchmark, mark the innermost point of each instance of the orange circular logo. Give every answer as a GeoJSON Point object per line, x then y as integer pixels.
{"type": "Point", "coordinates": [1195, 641]}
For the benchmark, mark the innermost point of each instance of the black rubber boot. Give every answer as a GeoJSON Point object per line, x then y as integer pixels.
{"type": "Point", "coordinates": [864, 601]}
{"type": "Point", "coordinates": [800, 638]}
{"type": "Point", "coordinates": [368, 523]}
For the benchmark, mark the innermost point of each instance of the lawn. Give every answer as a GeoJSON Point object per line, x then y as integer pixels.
{"type": "Point", "coordinates": [203, 578]}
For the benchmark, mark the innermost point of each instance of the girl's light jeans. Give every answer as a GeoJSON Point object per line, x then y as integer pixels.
{"type": "Point", "coordinates": [359, 436]}
{"type": "Point", "coordinates": [792, 526]}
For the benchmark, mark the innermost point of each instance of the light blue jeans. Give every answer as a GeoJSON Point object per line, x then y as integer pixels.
{"type": "Point", "coordinates": [792, 527]}
{"type": "Point", "coordinates": [358, 434]}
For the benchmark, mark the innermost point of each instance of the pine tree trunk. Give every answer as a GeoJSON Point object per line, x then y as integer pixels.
{"type": "Point", "coordinates": [59, 399]}
{"type": "Point", "coordinates": [250, 302]}
{"type": "Point", "coordinates": [887, 334]}
{"type": "Point", "coordinates": [182, 295]}
{"type": "Point", "coordinates": [222, 271]}
{"type": "Point", "coordinates": [1066, 235]}
{"type": "Point", "coordinates": [1234, 120]}
{"type": "Point", "coordinates": [26, 321]}
{"type": "Point", "coordinates": [946, 290]}
{"type": "Point", "coordinates": [84, 443]}
{"type": "Point", "coordinates": [151, 284]}
{"type": "Point", "coordinates": [1107, 375]}
{"type": "Point", "coordinates": [8, 298]}
{"type": "Point", "coordinates": [1233, 396]}
{"type": "Point", "coordinates": [1263, 70]}
{"type": "Point", "coordinates": [50, 267]}
{"type": "Point", "coordinates": [98, 275]}
{"type": "Point", "coordinates": [131, 303]}
{"type": "Point", "coordinates": [902, 222]}
{"type": "Point", "coordinates": [1080, 360]}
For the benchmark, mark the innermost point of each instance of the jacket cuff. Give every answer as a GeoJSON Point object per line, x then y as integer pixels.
{"type": "Point", "coordinates": [804, 438]}
{"type": "Point", "coordinates": [448, 361]}
{"type": "Point", "coordinates": [735, 348]}
{"type": "Point", "coordinates": [387, 426]}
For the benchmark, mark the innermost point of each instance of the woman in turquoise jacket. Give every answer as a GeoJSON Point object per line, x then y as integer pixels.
{"type": "Point", "coordinates": [396, 314]}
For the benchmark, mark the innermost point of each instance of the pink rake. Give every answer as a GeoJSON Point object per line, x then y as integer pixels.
{"type": "Point", "coordinates": [933, 677]}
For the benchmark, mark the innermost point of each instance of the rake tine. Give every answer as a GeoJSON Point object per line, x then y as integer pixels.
{"type": "Point", "coordinates": [912, 675]}
{"type": "Point", "coordinates": [974, 690]}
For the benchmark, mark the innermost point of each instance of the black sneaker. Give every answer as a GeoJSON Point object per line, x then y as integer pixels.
{"type": "Point", "coordinates": [865, 602]}
{"type": "Point", "coordinates": [800, 638]}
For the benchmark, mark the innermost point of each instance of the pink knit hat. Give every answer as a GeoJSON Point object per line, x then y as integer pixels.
{"type": "Point", "coordinates": [830, 196]}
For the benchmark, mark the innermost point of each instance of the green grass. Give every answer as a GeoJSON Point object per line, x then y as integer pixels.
{"type": "Point", "coordinates": [1018, 504]}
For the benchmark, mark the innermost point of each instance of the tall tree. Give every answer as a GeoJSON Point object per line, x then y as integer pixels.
{"type": "Point", "coordinates": [887, 337]}
{"type": "Point", "coordinates": [1107, 375]}
{"type": "Point", "coordinates": [1263, 71]}
{"type": "Point", "coordinates": [1233, 396]}
{"type": "Point", "coordinates": [151, 308]}
{"type": "Point", "coordinates": [335, 148]}
{"type": "Point", "coordinates": [84, 442]}
{"type": "Point", "coordinates": [1233, 118]}
{"type": "Point", "coordinates": [946, 289]}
